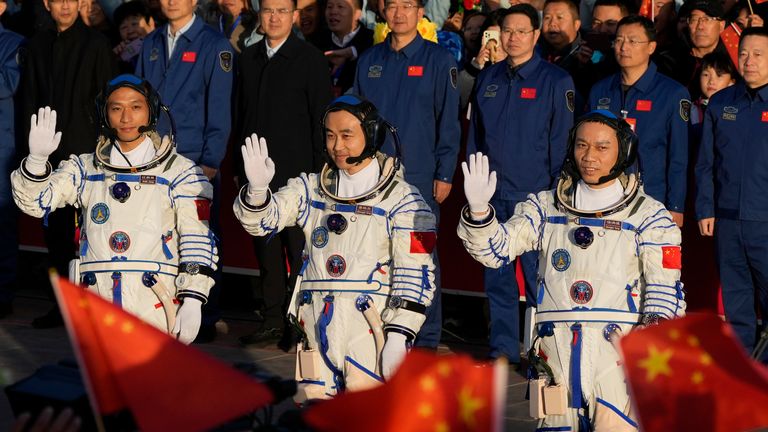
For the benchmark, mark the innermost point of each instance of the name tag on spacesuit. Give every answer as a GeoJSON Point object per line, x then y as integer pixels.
{"type": "Point", "coordinates": [148, 179]}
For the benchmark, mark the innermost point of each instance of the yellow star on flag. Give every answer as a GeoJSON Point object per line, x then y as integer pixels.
{"type": "Point", "coordinates": [109, 319]}
{"type": "Point", "coordinates": [674, 334]}
{"type": "Point", "coordinates": [693, 341]}
{"type": "Point", "coordinates": [127, 327]}
{"type": "Point", "coordinates": [442, 427]}
{"type": "Point", "coordinates": [444, 368]}
{"type": "Point", "coordinates": [697, 377]}
{"type": "Point", "coordinates": [468, 405]}
{"type": "Point", "coordinates": [657, 363]}
{"type": "Point", "coordinates": [425, 410]}
{"type": "Point", "coordinates": [706, 359]}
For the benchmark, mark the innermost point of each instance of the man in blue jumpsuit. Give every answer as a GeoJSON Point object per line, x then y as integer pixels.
{"type": "Point", "coordinates": [413, 83]}
{"type": "Point", "coordinates": [657, 108]}
{"type": "Point", "coordinates": [521, 113]}
{"type": "Point", "coordinates": [9, 82]}
{"type": "Point", "coordinates": [190, 65]}
{"type": "Point", "coordinates": [731, 199]}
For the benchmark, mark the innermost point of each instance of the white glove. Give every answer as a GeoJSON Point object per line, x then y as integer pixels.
{"type": "Point", "coordinates": [43, 139]}
{"type": "Point", "coordinates": [393, 353]}
{"type": "Point", "coordinates": [479, 186]}
{"type": "Point", "coordinates": [259, 168]}
{"type": "Point", "coordinates": [188, 319]}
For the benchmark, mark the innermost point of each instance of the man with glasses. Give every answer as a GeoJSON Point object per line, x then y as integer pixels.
{"type": "Point", "coordinates": [655, 106]}
{"type": "Point", "coordinates": [522, 110]}
{"type": "Point", "coordinates": [65, 68]}
{"type": "Point", "coordinates": [413, 83]}
{"type": "Point", "coordinates": [282, 97]}
{"type": "Point", "coordinates": [190, 65]}
{"type": "Point", "coordinates": [683, 61]}
{"type": "Point", "coordinates": [731, 203]}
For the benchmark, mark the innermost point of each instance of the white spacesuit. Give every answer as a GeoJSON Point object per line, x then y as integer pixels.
{"type": "Point", "coordinates": [368, 264]}
{"type": "Point", "coordinates": [601, 271]}
{"type": "Point", "coordinates": [145, 244]}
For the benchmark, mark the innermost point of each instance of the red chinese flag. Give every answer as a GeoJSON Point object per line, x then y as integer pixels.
{"type": "Point", "coordinates": [416, 71]}
{"type": "Point", "coordinates": [730, 37]}
{"type": "Point", "coordinates": [644, 105]}
{"type": "Point", "coordinates": [672, 257]}
{"type": "Point", "coordinates": [646, 9]}
{"type": "Point", "coordinates": [760, 1]}
{"type": "Point", "coordinates": [423, 241]}
{"type": "Point", "coordinates": [528, 93]}
{"type": "Point", "coordinates": [131, 365]}
{"type": "Point", "coordinates": [765, 113]}
{"type": "Point", "coordinates": [692, 374]}
{"type": "Point", "coordinates": [203, 209]}
{"type": "Point", "coordinates": [189, 56]}
{"type": "Point", "coordinates": [428, 393]}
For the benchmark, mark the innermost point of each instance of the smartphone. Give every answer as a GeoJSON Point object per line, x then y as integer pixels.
{"type": "Point", "coordinates": [598, 41]}
{"type": "Point", "coordinates": [131, 50]}
{"type": "Point", "coordinates": [490, 35]}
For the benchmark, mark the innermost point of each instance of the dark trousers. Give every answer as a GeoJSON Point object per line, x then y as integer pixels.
{"type": "Point", "coordinates": [276, 286]}
{"type": "Point", "coordinates": [742, 255]}
{"type": "Point", "coordinates": [503, 294]}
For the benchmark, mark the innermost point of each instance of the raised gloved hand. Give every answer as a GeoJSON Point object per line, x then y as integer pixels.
{"type": "Point", "coordinates": [479, 185]}
{"type": "Point", "coordinates": [43, 139]}
{"type": "Point", "coordinates": [259, 168]}
{"type": "Point", "coordinates": [188, 319]}
{"type": "Point", "coordinates": [393, 353]}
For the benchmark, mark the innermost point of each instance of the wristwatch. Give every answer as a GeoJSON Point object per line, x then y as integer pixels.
{"type": "Point", "coordinates": [193, 268]}
{"type": "Point", "coordinates": [396, 302]}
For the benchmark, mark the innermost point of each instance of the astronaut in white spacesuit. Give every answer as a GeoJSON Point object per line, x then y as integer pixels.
{"type": "Point", "coordinates": [368, 272]}
{"type": "Point", "coordinates": [145, 244]}
{"type": "Point", "coordinates": [609, 259]}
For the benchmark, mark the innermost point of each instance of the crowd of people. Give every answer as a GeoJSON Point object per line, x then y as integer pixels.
{"type": "Point", "coordinates": [519, 84]}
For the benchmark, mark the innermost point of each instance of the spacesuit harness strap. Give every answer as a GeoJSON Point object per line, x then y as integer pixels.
{"type": "Point", "coordinates": [130, 178]}
{"type": "Point", "coordinates": [588, 315]}
{"type": "Point", "coordinates": [349, 208]}
{"type": "Point", "coordinates": [592, 222]}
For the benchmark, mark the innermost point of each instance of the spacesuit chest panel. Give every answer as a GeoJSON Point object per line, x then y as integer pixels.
{"type": "Point", "coordinates": [589, 263]}
{"type": "Point", "coordinates": [348, 242]}
{"type": "Point", "coordinates": [128, 216]}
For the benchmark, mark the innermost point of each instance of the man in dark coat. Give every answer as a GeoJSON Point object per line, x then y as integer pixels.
{"type": "Point", "coordinates": [65, 68]}
{"type": "Point", "coordinates": [282, 98]}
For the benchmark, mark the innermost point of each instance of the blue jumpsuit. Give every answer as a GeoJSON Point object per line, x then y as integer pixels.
{"type": "Point", "coordinates": [731, 186]}
{"type": "Point", "coordinates": [521, 121]}
{"type": "Point", "coordinates": [659, 108]}
{"type": "Point", "coordinates": [9, 82]}
{"type": "Point", "coordinates": [415, 90]}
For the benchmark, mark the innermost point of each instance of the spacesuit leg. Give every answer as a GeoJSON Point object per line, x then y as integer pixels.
{"type": "Point", "coordinates": [360, 360]}
{"type": "Point", "coordinates": [610, 396]}
{"type": "Point", "coordinates": [557, 351]}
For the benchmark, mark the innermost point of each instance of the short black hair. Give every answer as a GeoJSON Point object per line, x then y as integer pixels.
{"type": "Point", "coordinates": [130, 9]}
{"type": "Point", "coordinates": [720, 62]}
{"type": "Point", "coordinates": [621, 4]}
{"type": "Point", "coordinates": [753, 31]}
{"type": "Point", "coordinates": [520, 9]}
{"type": "Point", "coordinates": [572, 6]}
{"type": "Point", "coordinates": [420, 3]}
{"type": "Point", "coordinates": [650, 29]}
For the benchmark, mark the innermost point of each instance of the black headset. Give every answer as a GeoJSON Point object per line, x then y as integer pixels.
{"type": "Point", "coordinates": [140, 85]}
{"type": "Point", "coordinates": [374, 126]}
{"type": "Point", "coordinates": [627, 138]}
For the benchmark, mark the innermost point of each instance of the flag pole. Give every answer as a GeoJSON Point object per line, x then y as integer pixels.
{"type": "Point", "coordinates": [751, 11]}
{"type": "Point", "coordinates": [54, 276]}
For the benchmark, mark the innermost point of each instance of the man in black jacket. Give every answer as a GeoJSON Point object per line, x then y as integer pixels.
{"type": "Point", "coordinates": [65, 69]}
{"type": "Point", "coordinates": [282, 97]}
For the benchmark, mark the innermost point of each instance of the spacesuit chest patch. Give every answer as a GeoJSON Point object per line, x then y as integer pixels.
{"type": "Point", "coordinates": [336, 265]}
{"type": "Point", "coordinates": [119, 242]}
{"type": "Point", "coordinates": [581, 292]}
{"type": "Point", "coordinates": [320, 237]}
{"type": "Point", "coordinates": [99, 213]}
{"type": "Point", "coordinates": [561, 260]}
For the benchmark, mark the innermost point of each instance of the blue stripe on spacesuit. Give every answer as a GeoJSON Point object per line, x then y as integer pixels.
{"type": "Point", "coordinates": [656, 244]}
{"type": "Point", "coordinates": [617, 411]}
{"type": "Point", "coordinates": [132, 178]}
{"type": "Point", "coordinates": [322, 326]}
{"type": "Point", "coordinates": [364, 369]}
{"type": "Point", "coordinates": [117, 289]}
{"type": "Point", "coordinates": [419, 198]}
{"type": "Point", "coordinates": [576, 396]}
{"type": "Point", "coordinates": [598, 223]}
{"type": "Point", "coordinates": [630, 301]}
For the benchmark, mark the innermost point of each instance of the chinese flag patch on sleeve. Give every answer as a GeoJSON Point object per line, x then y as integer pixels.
{"type": "Point", "coordinates": [203, 209]}
{"type": "Point", "coordinates": [423, 241]}
{"type": "Point", "coordinates": [671, 257]}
